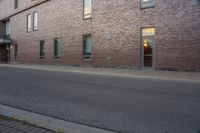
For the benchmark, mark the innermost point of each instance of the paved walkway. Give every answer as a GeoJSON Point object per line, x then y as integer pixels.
{"type": "Point", "coordinates": [171, 75]}
{"type": "Point", "coordinates": [8, 125]}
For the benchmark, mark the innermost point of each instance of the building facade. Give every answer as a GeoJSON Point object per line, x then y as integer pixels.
{"type": "Point", "coordinates": [113, 33]}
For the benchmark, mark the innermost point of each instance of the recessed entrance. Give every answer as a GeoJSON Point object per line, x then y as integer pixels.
{"type": "Point", "coordinates": [4, 54]}
{"type": "Point", "coordinates": [148, 49]}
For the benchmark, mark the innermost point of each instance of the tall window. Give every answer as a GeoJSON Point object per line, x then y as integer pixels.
{"type": "Point", "coordinates": [42, 50]}
{"type": "Point", "coordinates": [87, 9]}
{"type": "Point", "coordinates": [87, 47]}
{"type": "Point", "coordinates": [28, 22]}
{"type": "Point", "coordinates": [16, 51]}
{"type": "Point", "coordinates": [7, 28]}
{"type": "Point", "coordinates": [147, 3]}
{"type": "Point", "coordinates": [35, 20]}
{"type": "Point", "coordinates": [16, 4]}
{"type": "Point", "coordinates": [57, 48]}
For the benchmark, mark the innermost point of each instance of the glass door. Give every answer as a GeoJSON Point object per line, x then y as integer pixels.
{"type": "Point", "coordinates": [148, 47]}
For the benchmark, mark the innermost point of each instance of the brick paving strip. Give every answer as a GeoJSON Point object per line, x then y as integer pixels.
{"type": "Point", "coordinates": [125, 72]}
{"type": "Point", "coordinates": [10, 125]}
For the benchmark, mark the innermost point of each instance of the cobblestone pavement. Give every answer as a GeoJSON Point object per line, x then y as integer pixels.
{"type": "Point", "coordinates": [8, 125]}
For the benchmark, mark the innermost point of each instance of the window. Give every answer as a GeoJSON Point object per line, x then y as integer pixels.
{"type": "Point", "coordinates": [57, 48]}
{"type": "Point", "coordinates": [197, 2]}
{"type": "Point", "coordinates": [146, 3]}
{"type": "Point", "coordinates": [16, 51]}
{"type": "Point", "coordinates": [28, 22]}
{"type": "Point", "coordinates": [35, 21]}
{"type": "Point", "coordinates": [42, 52]}
{"type": "Point", "coordinates": [7, 28]}
{"type": "Point", "coordinates": [87, 9]}
{"type": "Point", "coordinates": [87, 47]}
{"type": "Point", "coordinates": [16, 4]}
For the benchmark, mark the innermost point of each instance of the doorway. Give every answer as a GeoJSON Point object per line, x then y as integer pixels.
{"type": "Point", "coordinates": [4, 54]}
{"type": "Point", "coordinates": [148, 47]}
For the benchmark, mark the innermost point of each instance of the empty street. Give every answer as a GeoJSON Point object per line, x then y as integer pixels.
{"type": "Point", "coordinates": [121, 104]}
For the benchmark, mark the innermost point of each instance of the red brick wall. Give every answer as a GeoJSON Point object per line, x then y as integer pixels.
{"type": "Point", "coordinates": [176, 23]}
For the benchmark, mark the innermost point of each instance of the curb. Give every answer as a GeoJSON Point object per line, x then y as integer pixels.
{"type": "Point", "coordinates": [48, 122]}
{"type": "Point", "coordinates": [106, 73]}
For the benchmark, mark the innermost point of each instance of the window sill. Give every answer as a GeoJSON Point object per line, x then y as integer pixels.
{"type": "Point", "coordinates": [143, 8]}
{"type": "Point", "coordinates": [87, 60]}
{"type": "Point", "coordinates": [87, 18]}
{"type": "Point", "coordinates": [57, 58]}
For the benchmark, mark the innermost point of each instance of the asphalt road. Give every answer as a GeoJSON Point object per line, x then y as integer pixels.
{"type": "Point", "coordinates": [127, 105]}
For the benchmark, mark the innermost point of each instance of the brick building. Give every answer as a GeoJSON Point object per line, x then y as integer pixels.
{"type": "Point", "coordinates": [159, 34]}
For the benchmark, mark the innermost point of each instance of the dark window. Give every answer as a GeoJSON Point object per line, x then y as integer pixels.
{"type": "Point", "coordinates": [28, 27]}
{"type": "Point", "coordinates": [87, 47]}
{"type": "Point", "coordinates": [16, 51]}
{"type": "Point", "coordinates": [147, 3]}
{"type": "Point", "coordinates": [197, 2]}
{"type": "Point", "coordinates": [57, 48]}
{"type": "Point", "coordinates": [16, 4]}
{"type": "Point", "coordinates": [35, 21]}
{"type": "Point", "coordinates": [42, 50]}
{"type": "Point", "coordinates": [87, 9]}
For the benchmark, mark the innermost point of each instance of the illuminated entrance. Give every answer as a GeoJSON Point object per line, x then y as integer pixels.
{"type": "Point", "coordinates": [148, 47]}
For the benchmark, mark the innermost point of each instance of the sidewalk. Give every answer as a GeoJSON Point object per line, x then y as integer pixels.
{"type": "Point", "coordinates": [48, 124]}
{"type": "Point", "coordinates": [169, 75]}
{"type": "Point", "coordinates": [10, 125]}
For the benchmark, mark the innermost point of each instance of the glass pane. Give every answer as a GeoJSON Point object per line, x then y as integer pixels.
{"type": "Point", "coordinates": [8, 28]}
{"type": "Point", "coordinates": [147, 61]}
{"type": "Point", "coordinates": [57, 48]}
{"type": "Point", "coordinates": [87, 8]}
{"type": "Point", "coordinates": [42, 52]}
{"type": "Point", "coordinates": [35, 20]}
{"type": "Point", "coordinates": [29, 23]}
{"type": "Point", "coordinates": [148, 45]}
{"type": "Point", "coordinates": [147, 3]}
{"type": "Point", "coordinates": [88, 45]}
{"type": "Point", "coordinates": [148, 32]}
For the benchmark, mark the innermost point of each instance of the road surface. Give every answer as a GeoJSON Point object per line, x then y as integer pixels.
{"type": "Point", "coordinates": [126, 105]}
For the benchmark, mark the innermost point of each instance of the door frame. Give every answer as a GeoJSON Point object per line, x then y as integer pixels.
{"type": "Point", "coordinates": [142, 50]}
